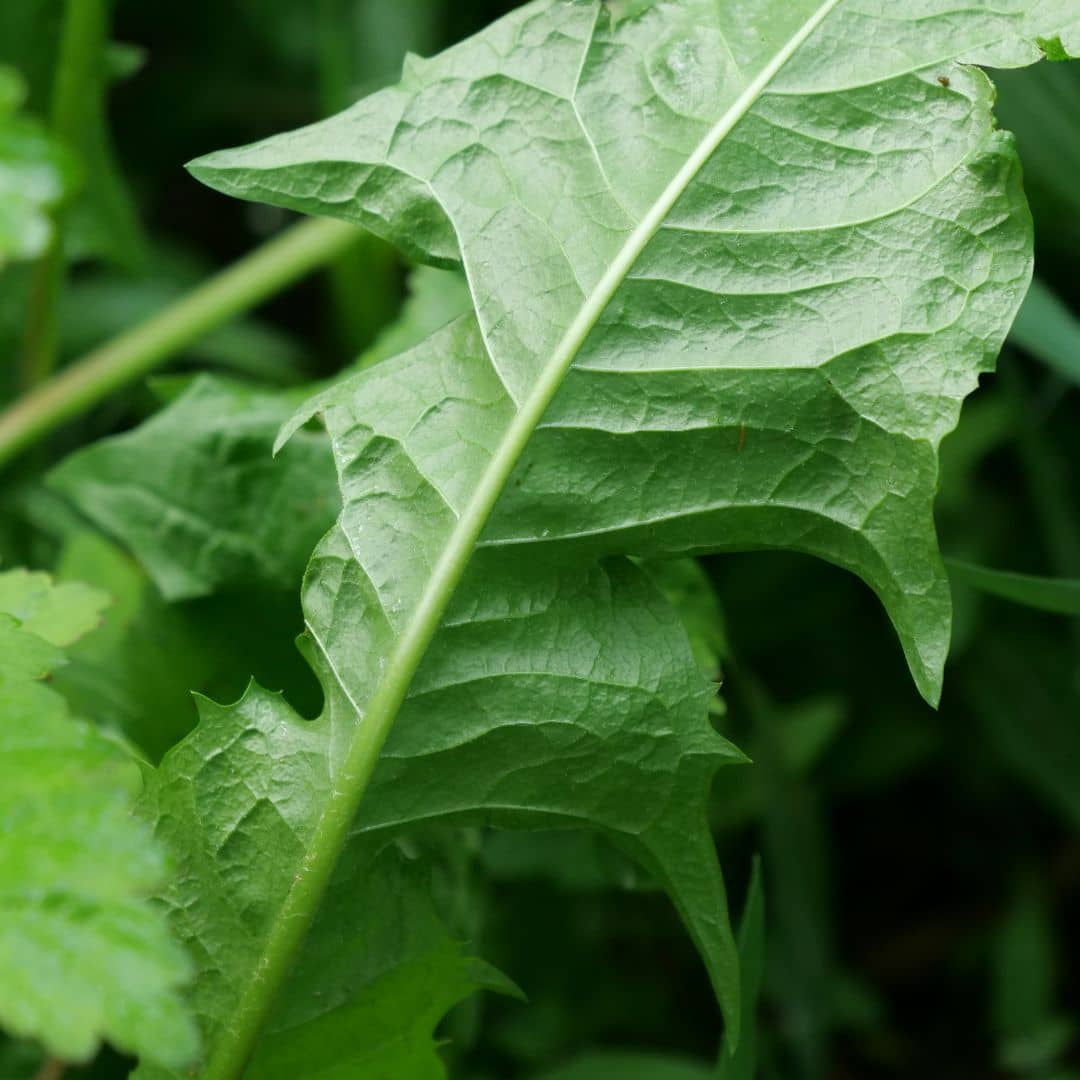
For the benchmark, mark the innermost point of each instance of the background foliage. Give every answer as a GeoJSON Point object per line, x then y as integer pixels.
{"type": "Point", "coordinates": [921, 869]}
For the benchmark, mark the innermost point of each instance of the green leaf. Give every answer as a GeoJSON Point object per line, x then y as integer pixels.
{"type": "Point", "coordinates": [137, 672]}
{"type": "Point", "coordinates": [376, 976]}
{"type": "Point", "coordinates": [102, 219]}
{"type": "Point", "coordinates": [36, 175]}
{"type": "Point", "coordinates": [436, 297]}
{"type": "Point", "coordinates": [684, 340]}
{"type": "Point", "coordinates": [531, 711]}
{"type": "Point", "coordinates": [59, 615]}
{"type": "Point", "coordinates": [1057, 595]}
{"type": "Point", "coordinates": [196, 494]}
{"type": "Point", "coordinates": [735, 271]}
{"type": "Point", "coordinates": [1048, 330]}
{"type": "Point", "coordinates": [739, 1061]}
{"type": "Point", "coordinates": [85, 956]}
{"type": "Point", "coordinates": [686, 585]}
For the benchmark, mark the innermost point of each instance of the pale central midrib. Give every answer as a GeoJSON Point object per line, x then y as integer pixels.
{"type": "Point", "coordinates": [466, 532]}
{"type": "Point", "coordinates": [329, 837]}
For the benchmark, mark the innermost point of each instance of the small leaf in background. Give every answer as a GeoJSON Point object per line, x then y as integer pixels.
{"type": "Point", "coordinates": [1056, 595]}
{"type": "Point", "coordinates": [1028, 702]}
{"type": "Point", "coordinates": [1033, 1036]}
{"type": "Point", "coordinates": [741, 1063]}
{"type": "Point", "coordinates": [102, 219]}
{"type": "Point", "coordinates": [687, 587]}
{"type": "Point", "coordinates": [1048, 330]}
{"type": "Point", "coordinates": [197, 495]}
{"type": "Point", "coordinates": [86, 956]}
{"type": "Point", "coordinates": [436, 297]}
{"type": "Point", "coordinates": [36, 175]}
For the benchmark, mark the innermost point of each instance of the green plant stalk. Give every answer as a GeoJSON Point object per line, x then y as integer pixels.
{"type": "Point", "coordinates": [81, 44]}
{"type": "Point", "coordinates": [289, 256]}
{"type": "Point", "coordinates": [299, 908]}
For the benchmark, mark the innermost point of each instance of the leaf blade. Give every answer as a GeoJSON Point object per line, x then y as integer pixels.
{"type": "Point", "coordinates": [87, 957]}
{"type": "Point", "coordinates": [429, 444]}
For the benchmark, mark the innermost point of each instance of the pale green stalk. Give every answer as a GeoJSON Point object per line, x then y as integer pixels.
{"type": "Point", "coordinates": [252, 279]}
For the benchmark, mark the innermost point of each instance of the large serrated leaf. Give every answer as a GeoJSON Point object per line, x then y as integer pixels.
{"type": "Point", "coordinates": [730, 289]}
{"type": "Point", "coordinates": [756, 263]}
{"type": "Point", "coordinates": [84, 956]}
{"type": "Point", "coordinates": [564, 697]}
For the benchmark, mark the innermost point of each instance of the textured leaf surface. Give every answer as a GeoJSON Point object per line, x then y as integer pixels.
{"type": "Point", "coordinates": [196, 494]}
{"type": "Point", "coordinates": [377, 974]}
{"type": "Point", "coordinates": [83, 956]}
{"type": "Point", "coordinates": [730, 288]}
{"type": "Point", "coordinates": [566, 697]}
{"type": "Point", "coordinates": [777, 260]}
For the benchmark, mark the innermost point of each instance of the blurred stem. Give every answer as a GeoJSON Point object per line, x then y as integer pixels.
{"type": "Point", "coordinates": [53, 1069]}
{"type": "Point", "coordinates": [259, 275]}
{"type": "Point", "coordinates": [1047, 481]}
{"type": "Point", "coordinates": [1047, 477]}
{"type": "Point", "coordinates": [795, 849]}
{"type": "Point", "coordinates": [82, 41]}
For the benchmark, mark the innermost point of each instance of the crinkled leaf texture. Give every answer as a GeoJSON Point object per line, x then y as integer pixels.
{"type": "Point", "coordinates": [782, 352]}
{"type": "Point", "coordinates": [734, 268]}
{"type": "Point", "coordinates": [554, 696]}
{"type": "Point", "coordinates": [84, 956]}
{"type": "Point", "coordinates": [196, 495]}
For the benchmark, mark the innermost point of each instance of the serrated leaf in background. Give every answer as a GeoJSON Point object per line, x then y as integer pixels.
{"type": "Point", "coordinates": [84, 956]}
{"type": "Point", "coordinates": [197, 495]}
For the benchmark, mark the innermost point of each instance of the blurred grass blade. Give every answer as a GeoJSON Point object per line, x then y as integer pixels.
{"type": "Point", "coordinates": [742, 1064]}
{"type": "Point", "coordinates": [1033, 1035]}
{"type": "Point", "coordinates": [1048, 330]}
{"type": "Point", "coordinates": [1058, 595]}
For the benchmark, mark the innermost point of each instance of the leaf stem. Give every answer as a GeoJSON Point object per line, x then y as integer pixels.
{"type": "Point", "coordinates": [78, 68]}
{"type": "Point", "coordinates": [53, 1069]}
{"type": "Point", "coordinates": [263, 272]}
